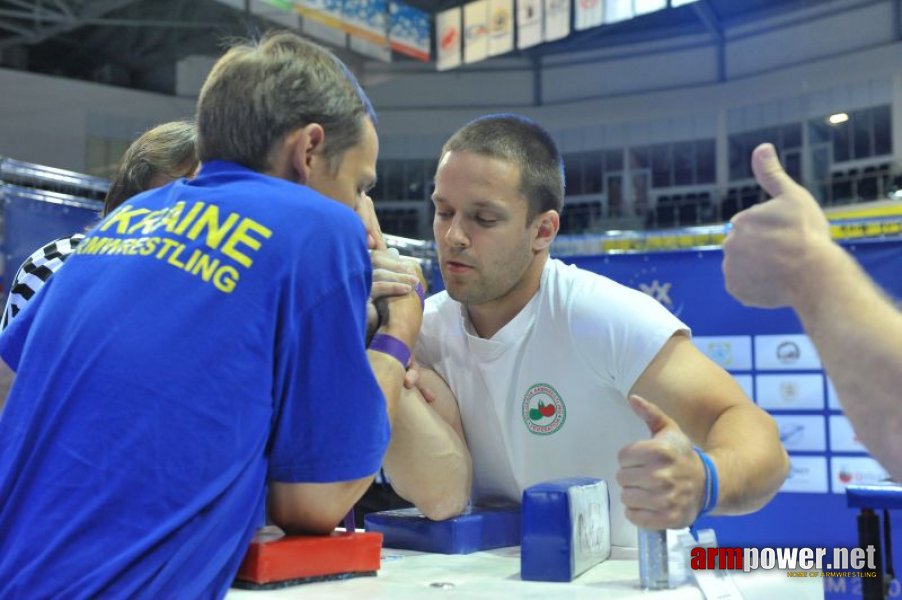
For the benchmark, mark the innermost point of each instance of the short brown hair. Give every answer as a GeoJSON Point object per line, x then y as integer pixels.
{"type": "Point", "coordinates": [524, 142]}
{"type": "Point", "coordinates": [256, 94]}
{"type": "Point", "coordinates": [168, 149]}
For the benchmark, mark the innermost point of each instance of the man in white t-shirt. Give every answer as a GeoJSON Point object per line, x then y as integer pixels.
{"type": "Point", "coordinates": [561, 372]}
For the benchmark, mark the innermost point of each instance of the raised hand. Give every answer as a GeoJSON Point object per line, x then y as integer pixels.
{"type": "Point", "coordinates": [662, 478]}
{"type": "Point", "coordinates": [766, 251]}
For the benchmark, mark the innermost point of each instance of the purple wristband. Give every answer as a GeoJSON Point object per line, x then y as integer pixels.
{"type": "Point", "coordinates": [389, 344]}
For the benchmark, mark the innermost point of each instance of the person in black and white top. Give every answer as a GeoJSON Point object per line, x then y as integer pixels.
{"type": "Point", "coordinates": [35, 272]}
{"type": "Point", "coordinates": [160, 155]}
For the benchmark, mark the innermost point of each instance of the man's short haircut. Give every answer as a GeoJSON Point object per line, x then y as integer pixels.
{"type": "Point", "coordinates": [168, 149]}
{"type": "Point", "coordinates": [256, 94]}
{"type": "Point", "coordinates": [524, 142]}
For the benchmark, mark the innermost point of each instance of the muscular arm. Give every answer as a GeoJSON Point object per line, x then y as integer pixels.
{"type": "Point", "coordinates": [711, 409]}
{"type": "Point", "coordinates": [315, 508]}
{"type": "Point", "coordinates": [780, 253]}
{"type": "Point", "coordinates": [318, 507]}
{"type": "Point", "coordinates": [427, 459]}
{"type": "Point", "coordinates": [858, 335]}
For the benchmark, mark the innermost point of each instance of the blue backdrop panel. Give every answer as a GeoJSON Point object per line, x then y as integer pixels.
{"type": "Point", "coordinates": [691, 285]}
{"type": "Point", "coordinates": [32, 218]}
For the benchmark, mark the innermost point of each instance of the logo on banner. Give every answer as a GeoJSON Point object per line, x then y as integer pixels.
{"type": "Point", "coordinates": [588, 4]}
{"type": "Point", "coordinates": [501, 20]}
{"type": "Point", "coordinates": [789, 391]}
{"type": "Point", "coordinates": [543, 409]}
{"type": "Point", "coordinates": [448, 38]}
{"type": "Point", "coordinates": [788, 352]}
{"type": "Point", "coordinates": [791, 433]}
{"type": "Point", "coordinates": [476, 31]}
{"type": "Point", "coordinates": [721, 353]}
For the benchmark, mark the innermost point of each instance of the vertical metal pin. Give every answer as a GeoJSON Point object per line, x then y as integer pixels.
{"type": "Point", "coordinates": [653, 573]}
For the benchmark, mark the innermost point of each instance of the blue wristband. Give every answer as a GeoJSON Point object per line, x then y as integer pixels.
{"type": "Point", "coordinates": [389, 344]}
{"type": "Point", "coordinates": [711, 483]}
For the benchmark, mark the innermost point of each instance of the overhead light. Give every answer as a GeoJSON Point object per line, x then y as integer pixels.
{"type": "Point", "coordinates": [836, 119]}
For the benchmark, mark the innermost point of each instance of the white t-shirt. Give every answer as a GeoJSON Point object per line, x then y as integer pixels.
{"type": "Point", "coordinates": [545, 397]}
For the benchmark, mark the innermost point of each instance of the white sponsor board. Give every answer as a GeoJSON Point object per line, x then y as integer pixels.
{"type": "Point", "coordinates": [848, 470]}
{"type": "Point", "coordinates": [790, 391]}
{"type": "Point", "coordinates": [803, 433]}
{"type": "Point", "coordinates": [785, 353]}
{"type": "Point", "coordinates": [832, 398]}
{"type": "Point", "coordinates": [807, 475]}
{"type": "Point", "coordinates": [732, 352]}
{"type": "Point", "coordinates": [842, 436]}
{"type": "Point", "coordinates": [745, 382]}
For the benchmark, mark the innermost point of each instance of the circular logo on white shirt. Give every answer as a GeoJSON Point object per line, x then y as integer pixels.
{"type": "Point", "coordinates": [543, 410]}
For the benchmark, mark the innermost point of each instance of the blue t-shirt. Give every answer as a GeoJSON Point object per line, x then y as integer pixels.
{"type": "Point", "coordinates": [205, 338]}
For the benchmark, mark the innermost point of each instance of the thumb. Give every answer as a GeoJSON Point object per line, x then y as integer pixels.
{"type": "Point", "coordinates": [769, 172]}
{"type": "Point", "coordinates": [655, 418]}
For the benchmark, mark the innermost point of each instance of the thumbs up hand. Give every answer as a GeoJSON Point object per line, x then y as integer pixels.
{"type": "Point", "coordinates": [770, 244]}
{"type": "Point", "coordinates": [662, 478]}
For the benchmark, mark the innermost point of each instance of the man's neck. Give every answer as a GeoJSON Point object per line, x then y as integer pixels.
{"type": "Point", "coordinates": [490, 317]}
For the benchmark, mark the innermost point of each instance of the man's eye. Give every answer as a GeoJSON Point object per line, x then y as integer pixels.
{"type": "Point", "coordinates": [486, 221]}
{"type": "Point", "coordinates": [442, 214]}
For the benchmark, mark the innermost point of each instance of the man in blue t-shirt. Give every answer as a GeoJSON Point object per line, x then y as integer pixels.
{"type": "Point", "coordinates": [207, 343]}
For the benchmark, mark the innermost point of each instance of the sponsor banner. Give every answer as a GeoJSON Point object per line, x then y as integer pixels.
{"type": "Point", "coordinates": [324, 33]}
{"type": "Point", "coordinates": [807, 475]}
{"type": "Point", "coordinates": [408, 31]}
{"type": "Point", "coordinates": [849, 470]}
{"type": "Point", "coordinates": [643, 7]}
{"type": "Point", "coordinates": [790, 391]}
{"type": "Point", "coordinates": [842, 436]}
{"type": "Point", "coordinates": [366, 20]}
{"type": "Point", "coordinates": [447, 32]}
{"type": "Point", "coordinates": [325, 12]}
{"type": "Point", "coordinates": [322, 20]}
{"type": "Point", "coordinates": [617, 10]}
{"type": "Point", "coordinates": [832, 398]}
{"type": "Point", "coordinates": [785, 353]}
{"type": "Point", "coordinates": [557, 19]}
{"type": "Point", "coordinates": [501, 26]}
{"type": "Point", "coordinates": [589, 13]}
{"type": "Point", "coordinates": [802, 433]}
{"type": "Point", "coordinates": [476, 31]}
{"type": "Point", "coordinates": [733, 353]}
{"type": "Point", "coordinates": [529, 23]}
{"type": "Point", "coordinates": [745, 382]}
{"type": "Point", "coordinates": [378, 51]}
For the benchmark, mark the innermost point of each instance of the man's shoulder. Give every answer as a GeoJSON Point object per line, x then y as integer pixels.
{"type": "Point", "coordinates": [568, 282]}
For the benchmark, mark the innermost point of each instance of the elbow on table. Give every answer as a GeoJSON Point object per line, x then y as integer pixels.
{"type": "Point", "coordinates": [444, 507]}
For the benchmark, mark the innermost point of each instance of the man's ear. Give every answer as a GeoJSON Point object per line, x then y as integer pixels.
{"type": "Point", "coordinates": [305, 147]}
{"type": "Point", "coordinates": [546, 224]}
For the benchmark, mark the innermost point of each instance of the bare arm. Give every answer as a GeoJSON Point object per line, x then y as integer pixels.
{"type": "Point", "coordinates": [858, 335]}
{"type": "Point", "coordinates": [780, 253]}
{"type": "Point", "coordinates": [427, 460]}
{"type": "Point", "coordinates": [697, 403]}
{"type": "Point", "coordinates": [318, 507]}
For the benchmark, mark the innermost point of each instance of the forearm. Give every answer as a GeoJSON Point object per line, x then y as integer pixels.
{"type": "Point", "coordinates": [427, 460]}
{"type": "Point", "coordinates": [751, 463]}
{"type": "Point", "coordinates": [858, 335]}
{"type": "Point", "coordinates": [313, 508]}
